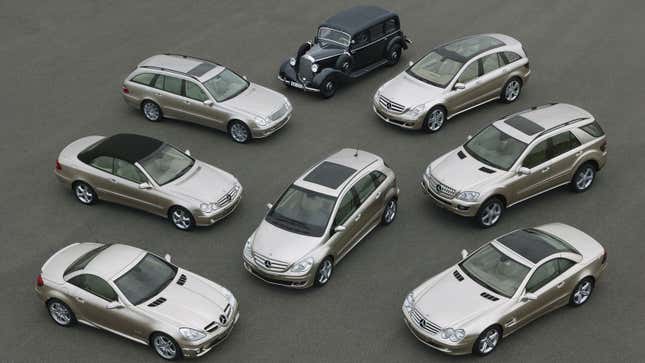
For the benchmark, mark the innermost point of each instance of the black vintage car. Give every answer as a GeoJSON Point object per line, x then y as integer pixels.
{"type": "Point", "coordinates": [347, 45]}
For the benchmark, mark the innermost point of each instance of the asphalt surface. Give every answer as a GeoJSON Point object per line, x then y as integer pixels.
{"type": "Point", "coordinates": [63, 63]}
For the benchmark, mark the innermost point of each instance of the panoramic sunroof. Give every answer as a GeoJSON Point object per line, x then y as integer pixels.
{"type": "Point", "coordinates": [201, 69]}
{"type": "Point", "coordinates": [533, 244]}
{"type": "Point", "coordinates": [330, 175]}
{"type": "Point", "coordinates": [525, 125]}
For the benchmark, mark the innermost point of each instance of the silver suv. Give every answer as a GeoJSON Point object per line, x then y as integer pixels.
{"type": "Point", "coordinates": [206, 93]}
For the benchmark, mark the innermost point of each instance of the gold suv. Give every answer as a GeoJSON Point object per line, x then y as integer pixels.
{"type": "Point", "coordinates": [516, 158]}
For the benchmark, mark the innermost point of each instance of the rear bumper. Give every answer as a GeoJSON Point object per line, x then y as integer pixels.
{"type": "Point", "coordinates": [205, 347]}
{"type": "Point", "coordinates": [399, 120]}
{"type": "Point", "coordinates": [459, 207]}
{"type": "Point", "coordinates": [273, 278]}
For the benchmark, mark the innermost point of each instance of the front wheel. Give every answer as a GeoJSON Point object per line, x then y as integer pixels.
{"type": "Point", "coordinates": [394, 55]}
{"type": "Point", "coordinates": [583, 178]}
{"type": "Point", "coordinates": [165, 346]}
{"type": "Point", "coordinates": [324, 272]}
{"type": "Point", "coordinates": [582, 292]}
{"type": "Point", "coordinates": [328, 88]}
{"type": "Point", "coordinates": [487, 341]}
{"type": "Point", "coordinates": [391, 208]}
{"type": "Point", "coordinates": [490, 212]}
{"type": "Point", "coordinates": [511, 90]}
{"type": "Point", "coordinates": [239, 132]}
{"type": "Point", "coordinates": [434, 120]}
{"type": "Point", "coordinates": [182, 218]}
{"type": "Point", "coordinates": [60, 313]}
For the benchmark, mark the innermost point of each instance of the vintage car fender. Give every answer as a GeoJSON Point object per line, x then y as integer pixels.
{"type": "Point", "coordinates": [327, 72]}
{"type": "Point", "coordinates": [398, 39]}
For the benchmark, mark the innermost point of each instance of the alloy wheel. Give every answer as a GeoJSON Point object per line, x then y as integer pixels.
{"type": "Point", "coordinates": [491, 214]}
{"type": "Point", "coordinates": [584, 178]}
{"type": "Point", "coordinates": [390, 211]}
{"type": "Point", "coordinates": [512, 90]}
{"type": "Point", "coordinates": [489, 341]}
{"type": "Point", "coordinates": [84, 193]}
{"type": "Point", "coordinates": [151, 111]}
{"type": "Point", "coordinates": [60, 313]}
{"type": "Point", "coordinates": [436, 119]}
{"type": "Point", "coordinates": [324, 271]}
{"type": "Point", "coordinates": [182, 219]}
{"type": "Point", "coordinates": [239, 132]}
{"type": "Point", "coordinates": [165, 347]}
{"type": "Point", "coordinates": [582, 292]}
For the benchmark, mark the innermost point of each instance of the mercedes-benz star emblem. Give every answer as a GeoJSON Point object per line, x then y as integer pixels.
{"type": "Point", "coordinates": [439, 188]}
{"type": "Point", "coordinates": [222, 319]}
{"type": "Point", "coordinates": [388, 105]}
{"type": "Point", "coordinates": [422, 322]}
{"type": "Point", "coordinates": [267, 263]}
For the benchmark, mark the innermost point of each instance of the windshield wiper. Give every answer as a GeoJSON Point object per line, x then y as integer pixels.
{"type": "Point", "coordinates": [297, 225]}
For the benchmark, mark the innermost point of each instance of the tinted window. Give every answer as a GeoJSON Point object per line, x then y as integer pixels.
{"type": "Point", "coordinates": [378, 177]}
{"type": "Point", "coordinates": [391, 26]}
{"type": "Point", "coordinates": [146, 279]}
{"type": "Point", "coordinates": [543, 275]}
{"type": "Point", "coordinates": [511, 57]}
{"type": "Point", "coordinates": [172, 85]}
{"type": "Point", "coordinates": [564, 142]}
{"type": "Point", "coordinates": [470, 72]}
{"type": "Point", "coordinates": [538, 155]}
{"type": "Point", "coordinates": [103, 162]}
{"type": "Point", "coordinates": [490, 63]}
{"type": "Point", "coordinates": [159, 82]}
{"type": "Point", "coordinates": [347, 207]}
{"type": "Point", "coordinates": [364, 188]}
{"type": "Point", "coordinates": [94, 285]}
{"type": "Point", "coordinates": [195, 92]}
{"type": "Point", "coordinates": [376, 32]}
{"type": "Point", "coordinates": [143, 78]}
{"type": "Point", "coordinates": [361, 39]}
{"type": "Point", "coordinates": [128, 171]}
{"type": "Point", "coordinates": [564, 264]}
{"type": "Point", "coordinates": [593, 129]}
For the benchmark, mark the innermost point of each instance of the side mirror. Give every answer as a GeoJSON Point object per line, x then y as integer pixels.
{"type": "Point", "coordinates": [410, 63]}
{"type": "Point", "coordinates": [469, 137]}
{"type": "Point", "coordinates": [459, 86]}
{"type": "Point", "coordinates": [464, 254]}
{"type": "Point", "coordinates": [529, 296]}
{"type": "Point", "coordinates": [208, 103]}
{"type": "Point", "coordinates": [167, 257]}
{"type": "Point", "coordinates": [246, 79]}
{"type": "Point", "coordinates": [187, 152]}
{"type": "Point", "coordinates": [116, 304]}
{"type": "Point", "coordinates": [339, 228]}
{"type": "Point", "coordinates": [145, 185]}
{"type": "Point", "coordinates": [315, 39]}
{"type": "Point", "coordinates": [269, 205]}
{"type": "Point", "coordinates": [523, 171]}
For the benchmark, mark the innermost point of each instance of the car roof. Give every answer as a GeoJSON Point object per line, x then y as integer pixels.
{"type": "Point", "coordinates": [358, 18]}
{"type": "Point", "coordinates": [534, 244]}
{"type": "Point", "coordinates": [331, 175]}
{"type": "Point", "coordinates": [466, 48]}
{"type": "Point", "coordinates": [112, 260]}
{"type": "Point", "coordinates": [127, 147]}
{"type": "Point", "coordinates": [199, 69]}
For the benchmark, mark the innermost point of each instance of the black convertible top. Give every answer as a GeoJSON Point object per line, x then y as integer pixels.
{"type": "Point", "coordinates": [358, 18]}
{"type": "Point", "coordinates": [127, 147]}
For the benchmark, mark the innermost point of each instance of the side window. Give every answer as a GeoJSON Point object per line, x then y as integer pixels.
{"type": "Point", "coordinates": [195, 92]}
{"type": "Point", "coordinates": [159, 82]}
{"type": "Point", "coordinates": [543, 275]}
{"type": "Point", "coordinates": [511, 57]}
{"type": "Point", "coordinates": [376, 32]}
{"type": "Point", "coordinates": [378, 177]}
{"type": "Point", "coordinates": [564, 142]}
{"type": "Point", "coordinates": [470, 72]}
{"type": "Point", "coordinates": [490, 63]}
{"type": "Point", "coordinates": [103, 162]}
{"type": "Point", "coordinates": [128, 171]}
{"type": "Point", "coordinates": [593, 129]}
{"type": "Point", "coordinates": [361, 39]}
{"type": "Point", "coordinates": [143, 78]}
{"type": "Point", "coordinates": [172, 85]}
{"type": "Point", "coordinates": [364, 188]}
{"type": "Point", "coordinates": [94, 285]}
{"type": "Point", "coordinates": [347, 207]}
{"type": "Point", "coordinates": [391, 26]}
{"type": "Point", "coordinates": [564, 264]}
{"type": "Point", "coordinates": [538, 155]}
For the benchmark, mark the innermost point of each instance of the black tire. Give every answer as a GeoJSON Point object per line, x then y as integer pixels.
{"type": "Point", "coordinates": [344, 64]}
{"type": "Point", "coordinates": [181, 218]}
{"type": "Point", "coordinates": [54, 307]}
{"type": "Point", "coordinates": [490, 212]}
{"type": "Point", "coordinates": [328, 87]}
{"type": "Point", "coordinates": [239, 132]}
{"type": "Point", "coordinates": [319, 279]}
{"type": "Point", "coordinates": [583, 178]}
{"type": "Point", "coordinates": [160, 340]}
{"type": "Point", "coordinates": [434, 120]}
{"type": "Point", "coordinates": [151, 111]}
{"type": "Point", "coordinates": [511, 90]}
{"type": "Point", "coordinates": [478, 346]}
{"type": "Point", "coordinates": [393, 54]}
{"type": "Point", "coordinates": [388, 217]}
{"type": "Point", "coordinates": [582, 292]}
{"type": "Point", "coordinates": [84, 193]}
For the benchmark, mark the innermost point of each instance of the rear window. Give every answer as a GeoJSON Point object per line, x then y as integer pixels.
{"type": "Point", "coordinates": [82, 261]}
{"type": "Point", "coordinates": [510, 57]}
{"type": "Point", "coordinates": [593, 129]}
{"type": "Point", "coordinates": [143, 78]}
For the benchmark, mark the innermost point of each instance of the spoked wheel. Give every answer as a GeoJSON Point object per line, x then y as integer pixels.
{"type": "Point", "coordinates": [583, 178]}
{"type": "Point", "coordinates": [511, 90]}
{"type": "Point", "coordinates": [151, 111]}
{"type": "Point", "coordinates": [324, 272]}
{"type": "Point", "coordinates": [166, 347]}
{"type": "Point", "coordinates": [582, 292]}
{"type": "Point", "coordinates": [60, 313]}
{"type": "Point", "coordinates": [435, 118]}
{"type": "Point", "coordinates": [391, 208]}
{"type": "Point", "coordinates": [487, 341]}
{"type": "Point", "coordinates": [328, 88]}
{"type": "Point", "coordinates": [490, 212]}
{"type": "Point", "coordinates": [84, 193]}
{"type": "Point", "coordinates": [182, 218]}
{"type": "Point", "coordinates": [239, 132]}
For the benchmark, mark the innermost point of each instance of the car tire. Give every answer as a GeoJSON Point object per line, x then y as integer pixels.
{"type": "Point", "coordinates": [344, 64]}
{"type": "Point", "coordinates": [434, 119]}
{"type": "Point", "coordinates": [511, 91]}
{"type": "Point", "coordinates": [582, 292]}
{"type": "Point", "coordinates": [165, 346]}
{"type": "Point", "coordinates": [84, 193]}
{"type": "Point", "coordinates": [181, 218]}
{"type": "Point", "coordinates": [239, 132]}
{"type": "Point", "coordinates": [60, 313]}
{"type": "Point", "coordinates": [324, 272]}
{"type": "Point", "coordinates": [490, 212]}
{"type": "Point", "coordinates": [583, 178]}
{"type": "Point", "coordinates": [328, 87]}
{"type": "Point", "coordinates": [487, 341]}
{"type": "Point", "coordinates": [394, 54]}
{"type": "Point", "coordinates": [151, 111]}
{"type": "Point", "coordinates": [389, 214]}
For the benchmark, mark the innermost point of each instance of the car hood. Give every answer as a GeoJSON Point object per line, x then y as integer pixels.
{"type": "Point", "coordinates": [450, 303]}
{"type": "Point", "coordinates": [317, 52]}
{"type": "Point", "coordinates": [257, 100]}
{"type": "Point", "coordinates": [203, 182]}
{"type": "Point", "coordinates": [282, 245]}
{"type": "Point", "coordinates": [195, 304]}
{"type": "Point", "coordinates": [409, 91]}
{"type": "Point", "coordinates": [463, 174]}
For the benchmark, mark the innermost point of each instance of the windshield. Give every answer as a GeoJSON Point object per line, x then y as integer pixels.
{"type": "Point", "coordinates": [494, 270]}
{"type": "Point", "coordinates": [302, 211]}
{"type": "Point", "coordinates": [331, 37]}
{"type": "Point", "coordinates": [495, 148]}
{"type": "Point", "coordinates": [226, 85]}
{"type": "Point", "coordinates": [166, 164]}
{"type": "Point", "coordinates": [435, 69]}
{"type": "Point", "coordinates": [145, 280]}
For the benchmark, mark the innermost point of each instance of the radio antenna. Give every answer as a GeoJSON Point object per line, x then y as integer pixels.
{"type": "Point", "coordinates": [356, 151]}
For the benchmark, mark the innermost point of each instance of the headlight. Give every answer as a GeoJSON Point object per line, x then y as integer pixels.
{"type": "Point", "coordinates": [468, 196]}
{"type": "Point", "coordinates": [261, 121]}
{"type": "Point", "coordinates": [417, 111]}
{"type": "Point", "coordinates": [292, 61]}
{"type": "Point", "coordinates": [191, 334]}
{"type": "Point", "coordinates": [303, 265]}
{"type": "Point", "coordinates": [314, 68]}
{"type": "Point", "coordinates": [454, 335]}
{"type": "Point", "coordinates": [428, 170]}
{"type": "Point", "coordinates": [377, 95]}
{"type": "Point", "coordinates": [408, 303]}
{"type": "Point", "coordinates": [208, 207]}
{"type": "Point", "coordinates": [248, 252]}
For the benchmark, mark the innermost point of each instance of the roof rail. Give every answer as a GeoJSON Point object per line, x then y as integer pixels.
{"type": "Point", "coordinates": [529, 109]}
{"type": "Point", "coordinates": [570, 122]}
{"type": "Point", "coordinates": [190, 56]}
{"type": "Point", "coordinates": [171, 71]}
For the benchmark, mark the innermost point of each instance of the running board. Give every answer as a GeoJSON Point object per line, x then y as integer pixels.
{"type": "Point", "coordinates": [363, 71]}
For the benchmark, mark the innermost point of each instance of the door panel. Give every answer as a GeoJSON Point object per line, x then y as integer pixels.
{"type": "Point", "coordinates": [537, 161]}
{"type": "Point", "coordinates": [98, 175]}
{"type": "Point", "coordinates": [348, 216]}
{"type": "Point", "coordinates": [459, 100]}
{"type": "Point", "coordinates": [566, 150]}
{"type": "Point", "coordinates": [126, 183]}
{"type": "Point", "coordinates": [168, 95]}
{"type": "Point", "coordinates": [493, 77]}
{"type": "Point", "coordinates": [197, 112]}
{"type": "Point", "coordinates": [360, 50]}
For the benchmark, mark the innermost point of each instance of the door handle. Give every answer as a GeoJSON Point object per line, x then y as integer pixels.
{"type": "Point", "coordinates": [546, 169]}
{"type": "Point", "coordinates": [80, 299]}
{"type": "Point", "coordinates": [113, 180]}
{"type": "Point", "coordinates": [579, 153]}
{"type": "Point", "coordinates": [187, 102]}
{"type": "Point", "coordinates": [358, 217]}
{"type": "Point", "coordinates": [158, 94]}
{"type": "Point", "coordinates": [560, 285]}
{"type": "Point", "coordinates": [377, 195]}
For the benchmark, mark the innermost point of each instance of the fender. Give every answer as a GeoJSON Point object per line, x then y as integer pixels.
{"type": "Point", "coordinates": [397, 39]}
{"type": "Point", "coordinates": [320, 77]}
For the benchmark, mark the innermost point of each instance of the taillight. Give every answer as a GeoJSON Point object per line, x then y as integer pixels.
{"type": "Point", "coordinates": [58, 167]}
{"type": "Point", "coordinates": [125, 89]}
{"type": "Point", "coordinates": [603, 146]}
{"type": "Point", "coordinates": [39, 280]}
{"type": "Point", "coordinates": [604, 258]}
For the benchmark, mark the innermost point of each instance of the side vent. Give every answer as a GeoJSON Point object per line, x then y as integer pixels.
{"type": "Point", "coordinates": [157, 302]}
{"type": "Point", "coordinates": [461, 155]}
{"type": "Point", "coordinates": [486, 170]}
{"type": "Point", "coordinates": [488, 296]}
{"type": "Point", "coordinates": [458, 276]}
{"type": "Point", "coordinates": [182, 280]}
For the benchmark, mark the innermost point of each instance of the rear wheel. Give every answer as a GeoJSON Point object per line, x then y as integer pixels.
{"type": "Point", "coordinates": [324, 272]}
{"type": "Point", "coordinates": [394, 54]}
{"type": "Point", "coordinates": [582, 292]}
{"type": "Point", "coordinates": [583, 178]}
{"type": "Point", "coordinates": [151, 111]}
{"type": "Point", "coordinates": [165, 346]}
{"type": "Point", "coordinates": [435, 118]}
{"type": "Point", "coordinates": [182, 218]}
{"type": "Point", "coordinates": [389, 214]}
{"type": "Point", "coordinates": [487, 341]}
{"type": "Point", "coordinates": [239, 132]}
{"type": "Point", "coordinates": [490, 212]}
{"type": "Point", "coordinates": [511, 90]}
{"type": "Point", "coordinates": [60, 313]}
{"type": "Point", "coordinates": [84, 193]}
{"type": "Point", "coordinates": [328, 87]}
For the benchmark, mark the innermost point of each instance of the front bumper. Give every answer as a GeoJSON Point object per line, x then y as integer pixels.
{"type": "Point", "coordinates": [464, 209]}
{"type": "Point", "coordinates": [296, 83]}
{"type": "Point", "coordinates": [204, 347]}
{"type": "Point", "coordinates": [277, 278]}
{"type": "Point", "coordinates": [209, 219]}
{"type": "Point", "coordinates": [259, 133]}
{"type": "Point", "coordinates": [399, 119]}
{"type": "Point", "coordinates": [435, 342]}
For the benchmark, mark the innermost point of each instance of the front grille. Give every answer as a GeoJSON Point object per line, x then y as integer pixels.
{"type": "Point", "coordinates": [391, 105]}
{"type": "Point", "coordinates": [424, 323]}
{"type": "Point", "coordinates": [157, 302]}
{"type": "Point", "coordinates": [269, 264]}
{"type": "Point", "coordinates": [439, 188]}
{"type": "Point", "coordinates": [304, 69]}
{"type": "Point", "coordinates": [280, 113]}
{"type": "Point", "coordinates": [182, 280]}
{"type": "Point", "coordinates": [228, 197]}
